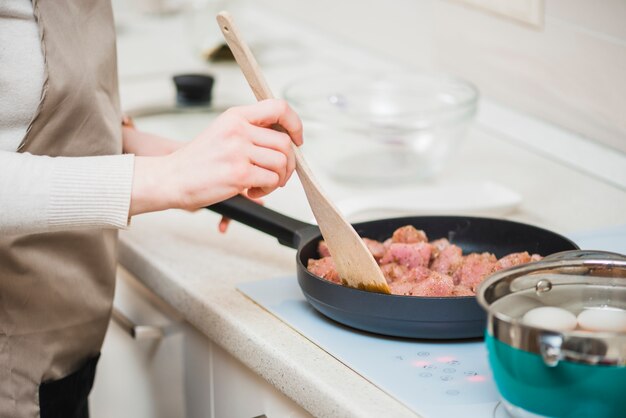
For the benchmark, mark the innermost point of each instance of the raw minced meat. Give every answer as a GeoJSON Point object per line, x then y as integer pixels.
{"type": "Point", "coordinates": [415, 267]}
{"type": "Point", "coordinates": [408, 235]}
{"type": "Point", "coordinates": [324, 268]}
{"type": "Point", "coordinates": [410, 255]}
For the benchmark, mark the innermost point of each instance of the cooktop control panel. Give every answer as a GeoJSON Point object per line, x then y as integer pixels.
{"type": "Point", "coordinates": [446, 375]}
{"type": "Point", "coordinates": [433, 378]}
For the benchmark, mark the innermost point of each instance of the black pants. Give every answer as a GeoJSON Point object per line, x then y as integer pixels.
{"type": "Point", "coordinates": [67, 397]}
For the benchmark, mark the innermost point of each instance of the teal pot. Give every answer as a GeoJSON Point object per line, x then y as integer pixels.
{"type": "Point", "coordinates": [542, 372]}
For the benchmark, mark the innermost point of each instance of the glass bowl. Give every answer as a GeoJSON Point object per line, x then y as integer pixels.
{"type": "Point", "coordinates": [378, 128]}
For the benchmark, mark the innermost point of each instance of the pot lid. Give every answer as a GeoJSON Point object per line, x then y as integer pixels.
{"type": "Point", "coordinates": [573, 280]}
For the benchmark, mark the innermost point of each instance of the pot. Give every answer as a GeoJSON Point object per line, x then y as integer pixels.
{"type": "Point", "coordinates": [546, 372]}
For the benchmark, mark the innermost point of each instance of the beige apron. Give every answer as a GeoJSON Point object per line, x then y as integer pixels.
{"type": "Point", "coordinates": [56, 289]}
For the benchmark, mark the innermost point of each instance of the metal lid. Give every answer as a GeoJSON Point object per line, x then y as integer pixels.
{"type": "Point", "coordinates": [574, 280]}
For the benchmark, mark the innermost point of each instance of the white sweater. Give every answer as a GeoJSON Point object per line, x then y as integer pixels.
{"type": "Point", "coordinates": [39, 193]}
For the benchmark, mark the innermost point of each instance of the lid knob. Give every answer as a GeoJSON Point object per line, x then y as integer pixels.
{"type": "Point", "coordinates": [193, 89]}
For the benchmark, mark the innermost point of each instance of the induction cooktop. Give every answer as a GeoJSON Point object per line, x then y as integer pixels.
{"type": "Point", "coordinates": [435, 379]}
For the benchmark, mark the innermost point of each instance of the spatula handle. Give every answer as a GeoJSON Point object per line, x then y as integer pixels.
{"type": "Point", "coordinates": [258, 84]}
{"type": "Point", "coordinates": [244, 57]}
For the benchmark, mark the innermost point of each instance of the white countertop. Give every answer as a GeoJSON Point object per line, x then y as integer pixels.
{"type": "Point", "coordinates": [182, 258]}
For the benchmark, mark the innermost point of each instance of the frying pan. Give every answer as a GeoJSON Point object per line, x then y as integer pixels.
{"type": "Point", "coordinates": [393, 315]}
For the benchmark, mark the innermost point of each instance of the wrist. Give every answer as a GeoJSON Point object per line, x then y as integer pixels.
{"type": "Point", "coordinates": [153, 189]}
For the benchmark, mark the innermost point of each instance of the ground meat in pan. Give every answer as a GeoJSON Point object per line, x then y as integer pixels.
{"type": "Point", "coordinates": [448, 260]}
{"type": "Point", "coordinates": [324, 268]}
{"type": "Point", "coordinates": [410, 255]}
{"type": "Point", "coordinates": [413, 266]}
{"type": "Point", "coordinates": [408, 235]}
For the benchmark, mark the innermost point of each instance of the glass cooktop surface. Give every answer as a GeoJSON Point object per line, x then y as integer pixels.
{"type": "Point", "coordinates": [436, 379]}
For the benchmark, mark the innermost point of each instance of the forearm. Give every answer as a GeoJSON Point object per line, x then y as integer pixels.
{"type": "Point", "coordinates": [43, 194]}
{"type": "Point", "coordinates": [145, 144]}
{"type": "Point", "coordinates": [237, 153]}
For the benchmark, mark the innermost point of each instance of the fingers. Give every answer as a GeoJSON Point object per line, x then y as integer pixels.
{"type": "Point", "coordinates": [276, 142]}
{"type": "Point", "coordinates": [223, 225]}
{"type": "Point", "coordinates": [273, 111]}
{"type": "Point", "coordinates": [270, 160]}
{"type": "Point", "coordinates": [265, 179]}
{"type": "Point", "coordinates": [224, 221]}
{"type": "Point", "coordinates": [256, 192]}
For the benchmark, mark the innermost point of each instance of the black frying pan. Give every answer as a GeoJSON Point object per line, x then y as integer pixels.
{"type": "Point", "coordinates": [400, 316]}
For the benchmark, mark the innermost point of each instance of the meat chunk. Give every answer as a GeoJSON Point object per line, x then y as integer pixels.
{"type": "Point", "coordinates": [419, 274]}
{"type": "Point", "coordinates": [448, 260]}
{"type": "Point", "coordinates": [410, 255]}
{"type": "Point", "coordinates": [436, 285]}
{"type": "Point", "coordinates": [439, 245]}
{"type": "Point", "coordinates": [461, 290]}
{"type": "Point", "coordinates": [433, 285]}
{"type": "Point", "coordinates": [376, 248]}
{"type": "Point", "coordinates": [404, 287]}
{"type": "Point", "coordinates": [408, 235]}
{"type": "Point", "coordinates": [535, 257]}
{"type": "Point", "coordinates": [511, 260]}
{"type": "Point", "coordinates": [322, 249]}
{"type": "Point", "coordinates": [474, 269]}
{"type": "Point", "coordinates": [394, 271]}
{"type": "Point", "coordinates": [324, 268]}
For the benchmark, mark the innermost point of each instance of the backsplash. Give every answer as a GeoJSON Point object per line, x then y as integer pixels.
{"type": "Point", "coordinates": [571, 72]}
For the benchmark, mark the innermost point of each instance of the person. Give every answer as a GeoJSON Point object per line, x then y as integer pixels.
{"type": "Point", "coordinates": [66, 188]}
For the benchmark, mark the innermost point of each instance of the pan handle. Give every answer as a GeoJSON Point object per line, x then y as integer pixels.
{"type": "Point", "coordinates": [287, 230]}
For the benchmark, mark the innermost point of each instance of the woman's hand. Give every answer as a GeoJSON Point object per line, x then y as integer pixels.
{"type": "Point", "coordinates": [238, 153]}
{"type": "Point", "coordinates": [144, 144]}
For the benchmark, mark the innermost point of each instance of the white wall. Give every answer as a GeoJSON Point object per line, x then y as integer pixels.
{"type": "Point", "coordinates": [571, 72]}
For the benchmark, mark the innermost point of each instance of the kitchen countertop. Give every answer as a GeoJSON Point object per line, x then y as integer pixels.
{"type": "Point", "coordinates": [181, 257]}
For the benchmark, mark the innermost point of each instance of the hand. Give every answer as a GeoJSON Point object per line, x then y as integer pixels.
{"type": "Point", "coordinates": [237, 153]}
{"type": "Point", "coordinates": [145, 144]}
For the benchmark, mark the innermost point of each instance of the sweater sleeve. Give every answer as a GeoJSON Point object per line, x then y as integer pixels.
{"type": "Point", "coordinates": [43, 194]}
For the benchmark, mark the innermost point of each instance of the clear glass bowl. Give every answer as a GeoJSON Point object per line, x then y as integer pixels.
{"type": "Point", "coordinates": [379, 128]}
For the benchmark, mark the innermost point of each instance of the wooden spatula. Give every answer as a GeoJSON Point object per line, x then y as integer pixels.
{"type": "Point", "coordinates": [355, 264]}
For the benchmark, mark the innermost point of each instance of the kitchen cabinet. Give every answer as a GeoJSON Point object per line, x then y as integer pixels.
{"type": "Point", "coordinates": [170, 369]}
{"type": "Point", "coordinates": [140, 377]}
{"type": "Point", "coordinates": [218, 382]}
